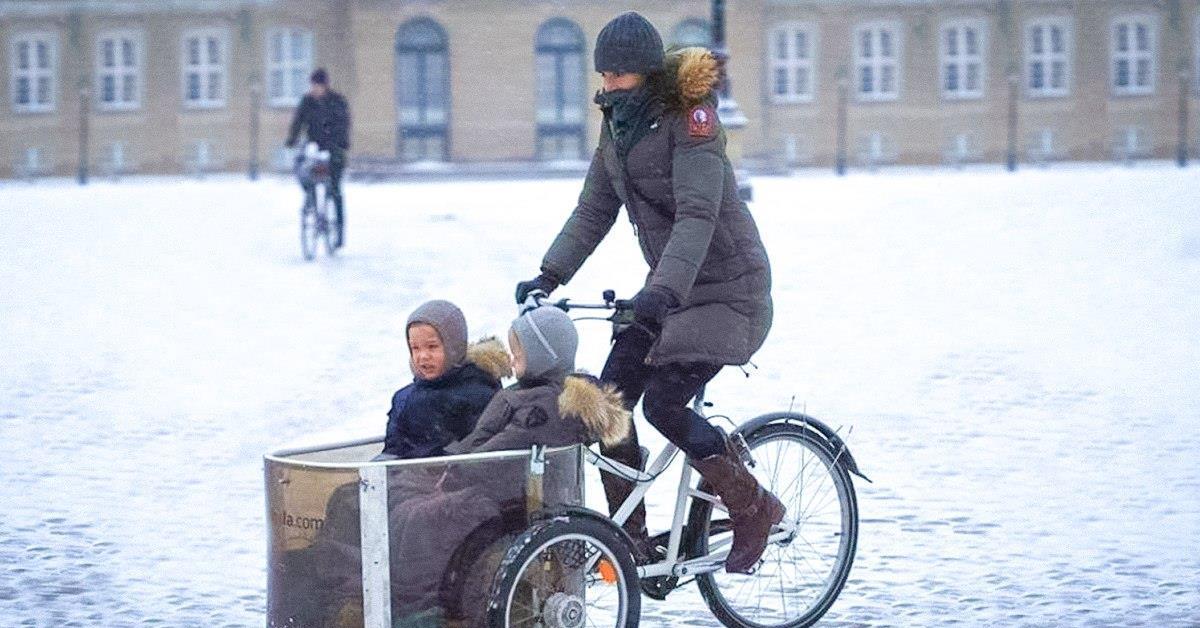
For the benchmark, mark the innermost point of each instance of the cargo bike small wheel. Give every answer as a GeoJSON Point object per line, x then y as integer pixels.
{"type": "Point", "coordinates": [566, 572]}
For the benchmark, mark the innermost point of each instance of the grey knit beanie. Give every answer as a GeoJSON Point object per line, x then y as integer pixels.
{"type": "Point", "coordinates": [629, 43]}
{"type": "Point", "coordinates": [450, 324]}
{"type": "Point", "coordinates": [549, 339]}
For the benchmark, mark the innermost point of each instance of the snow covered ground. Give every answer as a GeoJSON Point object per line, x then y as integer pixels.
{"type": "Point", "coordinates": [1018, 357]}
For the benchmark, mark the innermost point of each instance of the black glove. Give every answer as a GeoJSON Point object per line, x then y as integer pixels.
{"type": "Point", "coordinates": [542, 282]}
{"type": "Point", "coordinates": [650, 305]}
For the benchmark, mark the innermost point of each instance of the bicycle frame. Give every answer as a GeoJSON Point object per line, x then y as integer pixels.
{"type": "Point", "coordinates": [673, 566]}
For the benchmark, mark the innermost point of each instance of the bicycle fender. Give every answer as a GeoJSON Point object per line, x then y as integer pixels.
{"type": "Point", "coordinates": [815, 426]}
{"type": "Point", "coordinates": [585, 512]}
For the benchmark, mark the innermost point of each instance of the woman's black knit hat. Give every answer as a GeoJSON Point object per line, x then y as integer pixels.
{"type": "Point", "coordinates": [629, 43]}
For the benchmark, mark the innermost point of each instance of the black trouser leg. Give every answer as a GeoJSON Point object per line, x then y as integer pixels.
{"type": "Point", "coordinates": [627, 370]}
{"type": "Point", "coordinates": [337, 164]}
{"type": "Point", "coordinates": [667, 394]}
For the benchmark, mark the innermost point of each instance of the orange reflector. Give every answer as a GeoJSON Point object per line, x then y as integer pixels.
{"type": "Point", "coordinates": [608, 573]}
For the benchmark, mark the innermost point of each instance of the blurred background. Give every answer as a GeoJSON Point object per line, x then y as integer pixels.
{"type": "Point", "coordinates": [111, 87]}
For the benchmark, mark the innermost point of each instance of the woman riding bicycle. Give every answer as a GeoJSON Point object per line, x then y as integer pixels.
{"type": "Point", "coordinates": [706, 302]}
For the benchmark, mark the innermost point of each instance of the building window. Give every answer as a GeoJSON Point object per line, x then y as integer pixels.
{"type": "Point", "coordinates": [793, 51]}
{"type": "Point", "coordinates": [1133, 58]}
{"type": "Point", "coordinates": [1048, 57]}
{"type": "Point", "coordinates": [422, 91]}
{"type": "Point", "coordinates": [877, 52]}
{"type": "Point", "coordinates": [205, 63]}
{"type": "Point", "coordinates": [119, 71]}
{"type": "Point", "coordinates": [962, 63]}
{"type": "Point", "coordinates": [33, 65]}
{"type": "Point", "coordinates": [560, 90]}
{"type": "Point", "coordinates": [289, 63]}
{"type": "Point", "coordinates": [692, 32]}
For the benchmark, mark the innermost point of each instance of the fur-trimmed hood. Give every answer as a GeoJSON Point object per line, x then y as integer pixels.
{"type": "Point", "coordinates": [491, 357]}
{"type": "Point", "coordinates": [688, 79]}
{"type": "Point", "coordinates": [598, 406]}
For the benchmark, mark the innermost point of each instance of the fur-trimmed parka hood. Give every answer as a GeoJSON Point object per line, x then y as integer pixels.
{"type": "Point", "coordinates": [491, 357]}
{"type": "Point", "coordinates": [688, 79]}
{"type": "Point", "coordinates": [598, 406]}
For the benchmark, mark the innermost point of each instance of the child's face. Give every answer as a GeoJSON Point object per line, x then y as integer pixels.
{"type": "Point", "coordinates": [518, 354]}
{"type": "Point", "coordinates": [426, 352]}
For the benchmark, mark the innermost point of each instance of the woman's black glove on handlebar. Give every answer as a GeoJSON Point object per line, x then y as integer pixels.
{"type": "Point", "coordinates": [651, 303]}
{"type": "Point", "coordinates": [542, 282]}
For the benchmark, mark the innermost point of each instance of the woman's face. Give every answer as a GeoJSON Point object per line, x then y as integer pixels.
{"type": "Point", "coordinates": [518, 354]}
{"type": "Point", "coordinates": [426, 352]}
{"type": "Point", "coordinates": [616, 81]}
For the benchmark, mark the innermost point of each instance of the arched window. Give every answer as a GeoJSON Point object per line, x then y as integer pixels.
{"type": "Point", "coordinates": [692, 32]}
{"type": "Point", "coordinates": [422, 91]}
{"type": "Point", "coordinates": [560, 90]}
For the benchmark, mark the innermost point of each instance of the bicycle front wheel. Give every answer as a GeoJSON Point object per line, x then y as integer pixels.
{"type": "Point", "coordinates": [568, 572]}
{"type": "Point", "coordinates": [330, 235]}
{"type": "Point", "coordinates": [309, 226]}
{"type": "Point", "coordinates": [801, 575]}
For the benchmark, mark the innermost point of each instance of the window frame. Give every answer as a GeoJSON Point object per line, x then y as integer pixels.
{"type": "Point", "coordinates": [205, 69]}
{"type": "Point", "coordinates": [1048, 58]}
{"type": "Point", "coordinates": [118, 71]}
{"type": "Point", "coordinates": [287, 65]}
{"type": "Point", "coordinates": [962, 59]}
{"type": "Point", "coordinates": [560, 129]}
{"type": "Point", "coordinates": [792, 63]}
{"type": "Point", "coordinates": [33, 73]}
{"type": "Point", "coordinates": [897, 33]}
{"type": "Point", "coordinates": [1133, 56]}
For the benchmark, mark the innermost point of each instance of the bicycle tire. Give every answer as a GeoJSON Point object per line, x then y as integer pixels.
{"type": "Point", "coordinates": [309, 226]}
{"type": "Point", "coordinates": [330, 235]}
{"type": "Point", "coordinates": [718, 588]}
{"type": "Point", "coordinates": [555, 547]}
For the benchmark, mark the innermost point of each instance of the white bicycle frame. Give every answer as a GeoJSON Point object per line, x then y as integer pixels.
{"type": "Point", "coordinates": [673, 566]}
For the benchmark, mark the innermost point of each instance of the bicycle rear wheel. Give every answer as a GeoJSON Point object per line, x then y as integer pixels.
{"type": "Point", "coordinates": [799, 577]}
{"type": "Point", "coordinates": [308, 225]}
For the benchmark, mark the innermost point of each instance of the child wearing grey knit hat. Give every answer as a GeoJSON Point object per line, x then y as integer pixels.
{"type": "Point", "coordinates": [543, 342]}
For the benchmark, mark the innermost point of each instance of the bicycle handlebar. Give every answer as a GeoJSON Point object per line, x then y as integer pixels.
{"type": "Point", "coordinates": [538, 298]}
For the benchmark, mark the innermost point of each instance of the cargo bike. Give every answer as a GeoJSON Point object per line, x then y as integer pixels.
{"type": "Point", "coordinates": [399, 543]}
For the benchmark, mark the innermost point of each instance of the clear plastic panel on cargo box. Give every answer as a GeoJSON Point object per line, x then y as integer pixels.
{"type": "Point", "coordinates": [433, 531]}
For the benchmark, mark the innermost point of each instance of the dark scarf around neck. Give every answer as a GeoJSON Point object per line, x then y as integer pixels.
{"type": "Point", "coordinates": [630, 113]}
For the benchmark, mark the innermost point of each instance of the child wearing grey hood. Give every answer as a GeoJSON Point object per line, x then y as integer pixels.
{"type": "Point", "coordinates": [452, 383]}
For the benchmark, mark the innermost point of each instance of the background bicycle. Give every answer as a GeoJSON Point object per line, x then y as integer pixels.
{"type": "Point", "coordinates": [318, 220]}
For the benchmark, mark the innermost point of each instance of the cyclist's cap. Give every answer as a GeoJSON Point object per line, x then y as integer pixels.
{"type": "Point", "coordinates": [549, 339]}
{"type": "Point", "coordinates": [319, 77]}
{"type": "Point", "coordinates": [451, 326]}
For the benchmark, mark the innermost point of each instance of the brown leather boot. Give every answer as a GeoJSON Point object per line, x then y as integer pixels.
{"type": "Point", "coordinates": [752, 509]}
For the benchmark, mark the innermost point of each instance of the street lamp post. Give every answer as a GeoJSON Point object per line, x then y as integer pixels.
{"type": "Point", "coordinates": [728, 111]}
{"type": "Point", "coordinates": [843, 85]}
{"type": "Point", "coordinates": [255, 97]}
{"type": "Point", "coordinates": [85, 96]}
{"type": "Point", "coordinates": [1013, 96]}
{"type": "Point", "coordinates": [1181, 156]}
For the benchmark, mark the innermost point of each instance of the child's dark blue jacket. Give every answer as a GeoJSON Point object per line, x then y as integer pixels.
{"type": "Point", "coordinates": [427, 415]}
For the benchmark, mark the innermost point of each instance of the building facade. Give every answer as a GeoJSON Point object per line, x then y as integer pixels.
{"type": "Point", "coordinates": [209, 85]}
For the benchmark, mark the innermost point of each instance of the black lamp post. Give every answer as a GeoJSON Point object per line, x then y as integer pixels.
{"type": "Point", "coordinates": [85, 99]}
{"type": "Point", "coordinates": [730, 114]}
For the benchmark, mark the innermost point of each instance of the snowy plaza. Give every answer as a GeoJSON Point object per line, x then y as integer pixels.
{"type": "Point", "coordinates": [1012, 358]}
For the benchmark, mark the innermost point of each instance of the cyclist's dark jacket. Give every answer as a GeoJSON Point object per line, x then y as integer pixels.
{"type": "Point", "coordinates": [671, 173]}
{"type": "Point", "coordinates": [325, 120]}
{"type": "Point", "coordinates": [427, 415]}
